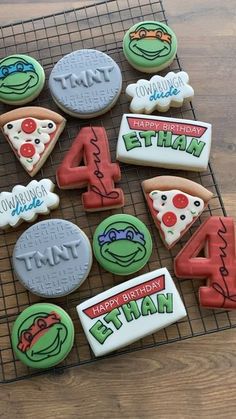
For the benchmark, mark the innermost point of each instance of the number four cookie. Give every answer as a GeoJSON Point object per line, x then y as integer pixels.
{"type": "Point", "coordinates": [32, 133]}
{"type": "Point", "coordinates": [175, 203]}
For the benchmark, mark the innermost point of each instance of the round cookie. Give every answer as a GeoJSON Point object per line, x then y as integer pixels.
{"type": "Point", "coordinates": [52, 258]}
{"type": "Point", "coordinates": [85, 83]}
{"type": "Point", "coordinates": [122, 244]}
{"type": "Point", "coordinates": [150, 46]}
{"type": "Point", "coordinates": [42, 335]}
{"type": "Point", "coordinates": [21, 79]}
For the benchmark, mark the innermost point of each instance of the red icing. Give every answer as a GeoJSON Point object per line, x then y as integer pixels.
{"type": "Point", "coordinates": [169, 219]}
{"type": "Point", "coordinates": [28, 125]}
{"type": "Point", "coordinates": [27, 150]}
{"type": "Point", "coordinates": [180, 201]}
{"type": "Point", "coordinates": [39, 327]}
{"type": "Point", "coordinates": [217, 237]}
{"type": "Point", "coordinates": [98, 174]}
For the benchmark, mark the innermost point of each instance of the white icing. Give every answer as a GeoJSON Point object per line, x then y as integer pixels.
{"type": "Point", "coordinates": [164, 142]}
{"type": "Point", "coordinates": [159, 93]}
{"type": "Point", "coordinates": [160, 285]}
{"type": "Point", "coordinates": [24, 202]}
{"type": "Point", "coordinates": [18, 137]}
{"type": "Point", "coordinates": [191, 211]}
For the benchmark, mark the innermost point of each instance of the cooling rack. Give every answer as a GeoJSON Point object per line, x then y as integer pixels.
{"type": "Point", "coordinates": [100, 26]}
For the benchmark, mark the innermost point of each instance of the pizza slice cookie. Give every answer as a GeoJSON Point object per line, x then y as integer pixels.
{"type": "Point", "coordinates": [175, 203]}
{"type": "Point", "coordinates": [32, 133]}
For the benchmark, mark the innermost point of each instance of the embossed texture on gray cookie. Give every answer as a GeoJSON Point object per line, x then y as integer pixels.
{"type": "Point", "coordinates": [52, 258]}
{"type": "Point", "coordinates": [85, 82]}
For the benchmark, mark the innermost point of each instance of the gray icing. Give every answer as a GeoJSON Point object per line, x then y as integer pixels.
{"type": "Point", "coordinates": [85, 82]}
{"type": "Point", "coordinates": [52, 258]}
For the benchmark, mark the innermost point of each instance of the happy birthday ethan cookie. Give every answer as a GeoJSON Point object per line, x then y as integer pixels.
{"type": "Point", "coordinates": [85, 83]}
{"type": "Point", "coordinates": [42, 335]}
{"type": "Point", "coordinates": [164, 142]}
{"type": "Point", "coordinates": [52, 258]}
{"type": "Point", "coordinates": [130, 311]}
{"type": "Point", "coordinates": [160, 93]}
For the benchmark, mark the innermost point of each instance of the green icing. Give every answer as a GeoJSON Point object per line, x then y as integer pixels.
{"type": "Point", "coordinates": [122, 244]}
{"type": "Point", "coordinates": [21, 79]}
{"type": "Point", "coordinates": [42, 335]}
{"type": "Point", "coordinates": [150, 45]}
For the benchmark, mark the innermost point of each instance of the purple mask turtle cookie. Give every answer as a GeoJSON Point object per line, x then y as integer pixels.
{"type": "Point", "coordinates": [85, 83]}
{"type": "Point", "coordinates": [52, 258]}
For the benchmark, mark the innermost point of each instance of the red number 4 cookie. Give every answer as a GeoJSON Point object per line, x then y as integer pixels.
{"type": "Point", "coordinates": [98, 174]}
{"type": "Point", "coordinates": [216, 236]}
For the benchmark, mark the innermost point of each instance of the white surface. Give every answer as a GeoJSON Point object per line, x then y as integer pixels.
{"type": "Point", "coordinates": [137, 328]}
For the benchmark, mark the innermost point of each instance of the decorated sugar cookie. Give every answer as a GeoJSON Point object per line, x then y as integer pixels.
{"type": "Point", "coordinates": [130, 311]}
{"type": "Point", "coordinates": [175, 204]}
{"type": "Point", "coordinates": [32, 133]}
{"type": "Point", "coordinates": [164, 142]}
{"type": "Point", "coordinates": [160, 93]}
{"type": "Point", "coordinates": [52, 258]}
{"type": "Point", "coordinates": [42, 335]}
{"type": "Point", "coordinates": [211, 253]}
{"type": "Point", "coordinates": [24, 203]}
{"type": "Point", "coordinates": [122, 244]}
{"type": "Point", "coordinates": [150, 46]}
{"type": "Point", "coordinates": [21, 79]}
{"type": "Point", "coordinates": [85, 83]}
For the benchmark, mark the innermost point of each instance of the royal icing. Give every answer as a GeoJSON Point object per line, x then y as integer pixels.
{"type": "Point", "coordinates": [216, 238]}
{"type": "Point", "coordinates": [164, 142]}
{"type": "Point", "coordinates": [52, 258]}
{"type": "Point", "coordinates": [29, 137]}
{"type": "Point", "coordinates": [130, 311]}
{"type": "Point", "coordinates": [122, 244]}
{"type": "Point", "coordinates": [159, 93]}
{"type": "Point", "coordinates": [150, 46]}
{"type": "Point", "coordinates": [98, 174]}
{"type": "Point", "coordinates": [42, 335]}
{"type": "Point", "coordinates": [175, 211]}
{"type": "Point", "coordinates": [24, 203]}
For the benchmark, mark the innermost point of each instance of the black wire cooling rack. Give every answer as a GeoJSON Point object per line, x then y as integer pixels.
{"type": "Point", "coordinates": [100, 26]}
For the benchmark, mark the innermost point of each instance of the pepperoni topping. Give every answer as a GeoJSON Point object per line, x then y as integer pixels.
{"type": "Point", "coordinates": [169, 219]}
{"type": "Point", "coordinates": [27, 150]}
{"type": "Point", "coordinates": [28, 125]}
{"type": "Point", "coordinates": [180, 201]}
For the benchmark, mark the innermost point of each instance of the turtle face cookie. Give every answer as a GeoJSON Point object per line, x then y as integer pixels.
{"type": "Point", "coordinates": [42, 335]}
{"type": "Point", "coordinates": [85, 83]}
{"type": "Point", "coordinates": [160, 93]}
{"type": "Point", "coordinates": [32, 133]}
{"type": "Point", "coordinates": [52, 258]}
{"type": "Point", "coordinates": [21, 79]}
{"type": "Point", "coordinates": [24, 203]}
{"type": "Point", "coordinates": [122, 244]}
{"type": "Point", "coordinates": [150, 46]}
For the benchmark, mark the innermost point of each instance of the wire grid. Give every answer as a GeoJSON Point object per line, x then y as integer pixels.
{"type": "Point", "coordinates": [100, 26]}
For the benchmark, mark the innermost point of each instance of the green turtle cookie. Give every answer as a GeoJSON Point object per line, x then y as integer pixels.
{"type": "Point", "coordinates": [21, 79]}
{"type": "Point", "coordinates": [42, 335]}
{"type": "Point", "coordinates": [122, 244]}
{"type": "Point", "coordinates": [150, 46]}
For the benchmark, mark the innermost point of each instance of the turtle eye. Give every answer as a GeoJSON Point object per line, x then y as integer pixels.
{"type": "Point", "coordinates": [28, 336]}
{"type": "Point", "coordinates": [158, 34]}
{"type": "Point", "coordinates": [142, 33]}
{"type": "Point", "coordinates": [130, 235]}
{"type": "Point", "coordinates": [5, 71]}
{"type": "Point", "coordinates": [182, 217]}
{"type": "Point", "coordinates": [41, 324]}
{"type": "Point", "coordinates": [197, 203]}
{"type": "Point", "coordinates": [20, 66]}
{"type": "Point", "coordinates": [112, 235]}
